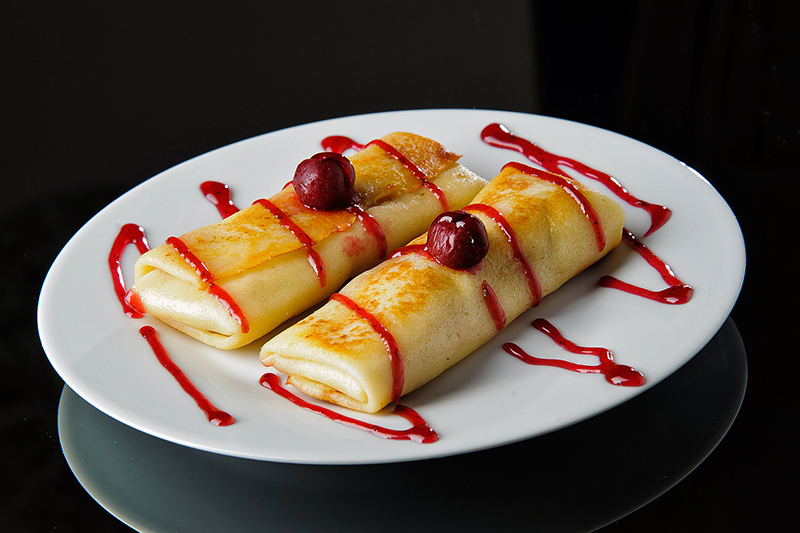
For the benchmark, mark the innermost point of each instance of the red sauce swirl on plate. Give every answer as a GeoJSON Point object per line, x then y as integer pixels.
{"type": "Point", "coordinates": [499, 136]}
{"type": "Point", "coordinates": [615, 373]}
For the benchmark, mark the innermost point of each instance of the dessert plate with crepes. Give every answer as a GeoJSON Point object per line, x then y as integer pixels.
{"type": "Point", "coordinates": [487, 399]}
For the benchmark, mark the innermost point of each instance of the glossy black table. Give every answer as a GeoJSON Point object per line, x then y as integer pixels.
{"type": "Point", "coordinates": [579, 478]}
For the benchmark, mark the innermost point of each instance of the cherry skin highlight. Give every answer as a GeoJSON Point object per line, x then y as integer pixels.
{"type": "Point", "coordinates": [458, 239]}
{"type": "Point", "coordinates": [325, 181]}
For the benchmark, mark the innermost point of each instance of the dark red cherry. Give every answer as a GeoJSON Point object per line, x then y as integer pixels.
{"type": "Point", "coordinates": [458, 239]}
{"type": "Point", "coordinates": [325, 181]}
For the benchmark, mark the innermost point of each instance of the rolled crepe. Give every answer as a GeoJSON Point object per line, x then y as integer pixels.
{"type": "Point", "coordinates": [232, 282]}
{"type": "Point", "coordinates": [397, 326]}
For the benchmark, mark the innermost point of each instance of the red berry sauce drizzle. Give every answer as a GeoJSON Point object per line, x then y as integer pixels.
{"type": "Point", "coordinates": [128, 234]}
{"type": "Point", "coordinates": [494, 306]}
{"type": "Point", "coordinates": [215, 416]}
{"type": "Point", "coordinates": [490, 298]}
{"type": "Point", "coordinates": [340, 143]}
{"type": "Point", "coordinates": [570, 188]}
{"type": "Point", "coordinates": [207, 277]}
{"type": "Point", "coordinates": [499, 136]}
{"type": "Point", "coordinates": [219, 195]}
{"type": "Point", "coordinates": [418, 432]}
{"type": "Point", "coordinates": [516, 249]}
{"type": "Point", "coordinates": [202, 271]}
{"type": "Point", "coordinates": [678, 292]}
{"type": "Point", "coordinates": [396, 361]}
{"type": "Point", "coordinates": [313, 257]}
{"type": "Point", "coordinates": [372, 227]}
{"type": "Point", "coordinates": [615, 373]}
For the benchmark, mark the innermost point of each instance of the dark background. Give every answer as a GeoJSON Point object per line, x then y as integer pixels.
{"type": "Point", "coordinates": [99, 96]}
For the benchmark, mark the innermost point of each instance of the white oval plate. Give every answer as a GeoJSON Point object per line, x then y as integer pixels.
{"type": "Point", "coordinates": [487, 400]}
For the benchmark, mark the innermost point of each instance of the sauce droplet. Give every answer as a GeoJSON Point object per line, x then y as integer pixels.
{"type": "Point", "coordinates": [220, 195]}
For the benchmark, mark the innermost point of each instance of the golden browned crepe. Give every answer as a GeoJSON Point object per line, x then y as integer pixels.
{"type": "Point", "coordinates": [437, 315]}
{"type": "Point", "coordinates": [240, 278]}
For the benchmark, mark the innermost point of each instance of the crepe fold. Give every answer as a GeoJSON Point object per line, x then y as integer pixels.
{"type": "Point", "coordinates": [431, 316]}
{"type": "Point", "coordinates": [232, 282]}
